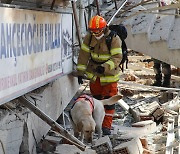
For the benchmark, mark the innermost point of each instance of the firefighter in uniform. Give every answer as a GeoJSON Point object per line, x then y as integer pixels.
{"type": "Point", "coordinates": [159, 68]}
{"type": "Point", "coordinates": [100, 65]}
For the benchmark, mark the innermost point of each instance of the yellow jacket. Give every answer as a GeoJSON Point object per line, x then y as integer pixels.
{"type": "Point", "coordinates": [95, 53]}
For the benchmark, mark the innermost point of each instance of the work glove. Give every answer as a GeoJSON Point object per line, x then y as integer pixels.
{"type": "Point", "coordinates": [100, 69]}
{"type": "Point", "coordinates": [80, 80]}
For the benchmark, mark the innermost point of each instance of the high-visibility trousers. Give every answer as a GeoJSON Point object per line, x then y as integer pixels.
{"type": "Point", "coordinates": [105, 91]}
{"type": "Point", "coordinates": [102, 92]}
{"type": "Point", "coordinates": [107, 122]}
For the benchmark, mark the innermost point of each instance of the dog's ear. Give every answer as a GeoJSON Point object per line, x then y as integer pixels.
{"type": "Point", "coordinates": [80, 126]}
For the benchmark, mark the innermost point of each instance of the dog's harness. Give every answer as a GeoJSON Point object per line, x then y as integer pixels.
{"type": "Point", "coordinates": [86, 98]}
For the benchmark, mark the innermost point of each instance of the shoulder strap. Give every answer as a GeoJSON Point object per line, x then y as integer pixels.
{"type": "Point", "coordinates": [90, 39]}
{"type": "Point", "coordinates": [123, 46]}
{"type": "Point", "coordinates": [90, 47]}
{"type": "Point", "coordinates": [109, 39]}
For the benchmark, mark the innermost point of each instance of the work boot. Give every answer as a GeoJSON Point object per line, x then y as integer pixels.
{"type": "Point", "coordinates": [166, 81]}
{"type": "Point", "coordinates": [158, 81]}
{"type": "Point", "coordinates": [106, 131]}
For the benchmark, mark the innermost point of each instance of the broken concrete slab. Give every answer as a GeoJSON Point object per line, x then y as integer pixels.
{"type": "Point", "coordinates": [144, 110]}
{"type": "Point", "coordinates": [53, 139]}
{"type": "Point", "coordinates": [102, 145]}
{"type": "Point", "coordinates": [158, 114]}
{"type": "Point", "coordinates": [144, 143]}
{"type": "Point", "coordinates": [173, 104]}
{"type": "Point", "coordinates": [72, 149]}
{"type": "Point", "coordinates": [46, 146]}
{"type": "Point", "coordinates": [118, 139]}
{"type": "Point", "coordinates": [123, 104]}
{"type": "Point", "coordinates": [131, 147]}
{"type": "Point", "coordinates": [135, 131]}
{"type": "Point", "coordinates": [149, 125]}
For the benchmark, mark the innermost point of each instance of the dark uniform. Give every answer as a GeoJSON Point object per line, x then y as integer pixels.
{"type": "Point", "coordinates": [159, 68]}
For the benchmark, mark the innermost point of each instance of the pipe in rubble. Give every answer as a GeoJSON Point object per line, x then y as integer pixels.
{"type": "Point", "coordinates": [81, 14]}
{"type": "Point", "coordinates": [115, 3]}
{"type": "Point", "coordinates": [97, 5]}
{"type": "Point", "coordinates": [89, 10]}
{"type": "Point", "coordinates": [82, 17]}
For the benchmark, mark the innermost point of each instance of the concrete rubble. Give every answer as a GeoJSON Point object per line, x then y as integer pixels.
{"type": "Point", "coordinates": [146, 120]}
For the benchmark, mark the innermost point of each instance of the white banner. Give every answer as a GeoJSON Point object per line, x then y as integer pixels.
{"type": "Point", "coordinates": [35, 48]}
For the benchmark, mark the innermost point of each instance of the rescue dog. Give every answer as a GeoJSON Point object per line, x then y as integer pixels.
{"type": "Point", "coordinates": [87, 114]}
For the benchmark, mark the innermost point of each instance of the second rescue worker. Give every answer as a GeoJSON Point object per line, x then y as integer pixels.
{"type": "Point", "coordinates": [100, 65]}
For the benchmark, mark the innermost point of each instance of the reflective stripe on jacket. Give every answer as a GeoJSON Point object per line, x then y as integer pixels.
{"type": "Point", "coordinates": [95, 53]}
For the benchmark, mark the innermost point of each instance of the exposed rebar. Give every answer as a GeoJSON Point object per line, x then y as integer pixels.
{"type": "Point", "coordinates": [111, 19]}
{"type": "Point", "coordinates": [97, 5]}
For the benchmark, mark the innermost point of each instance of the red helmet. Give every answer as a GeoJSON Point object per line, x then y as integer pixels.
{"type": "Point", "coordinates": [97, 23]}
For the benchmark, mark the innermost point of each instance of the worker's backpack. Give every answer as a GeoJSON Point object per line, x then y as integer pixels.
{"type": "Point", "coordinates": [121, 31]}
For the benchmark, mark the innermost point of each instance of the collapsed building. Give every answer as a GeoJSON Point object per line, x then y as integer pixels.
{"type": "Point", "coordinates": [39, 45]}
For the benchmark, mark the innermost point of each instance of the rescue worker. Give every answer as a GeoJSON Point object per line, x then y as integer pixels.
{"type": "Point", "coordinates": [100, 65]}
{"type": "Point", "coordinates": [159, 68]}
{"type": "Point", "coordinates": [162, 67]}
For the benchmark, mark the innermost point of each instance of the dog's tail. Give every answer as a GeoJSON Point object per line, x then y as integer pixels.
{"type": "Point", "coordinates": [111, 100]}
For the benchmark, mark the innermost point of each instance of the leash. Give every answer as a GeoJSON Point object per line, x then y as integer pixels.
{"type": "Point", "coordinates": [83, 89]}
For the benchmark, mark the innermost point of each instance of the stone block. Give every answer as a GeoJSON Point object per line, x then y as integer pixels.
{"type": "Point", "coordinates": [72, 149]}
{"type": "Point", "coordinates": [131, 147]}
{"type": "Point", "coordinates": [102, 145]}
{"type": "Point", "coordinates": [158, 114]}
{"type": "Point", "coordinates": [148, 125]}
{"type": "Point", "coordinates": [53, 139]}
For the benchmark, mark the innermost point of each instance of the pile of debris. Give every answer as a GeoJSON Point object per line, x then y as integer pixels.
{"type": "Point", "coordinates": [146, 119]}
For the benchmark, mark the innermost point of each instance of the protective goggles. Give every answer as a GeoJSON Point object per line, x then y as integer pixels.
{"type": "Point", "coordinates": [96, 32]}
